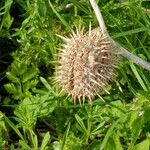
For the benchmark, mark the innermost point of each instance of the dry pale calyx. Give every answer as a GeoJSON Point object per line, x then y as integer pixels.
{"type": "Point", "coordinates": [87, 60]}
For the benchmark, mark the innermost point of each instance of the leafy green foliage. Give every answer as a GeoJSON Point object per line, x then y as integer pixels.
{"type": "Point", "coordinates": [22, 78]}
{"type": "Point", "coordinates": [35, 114]}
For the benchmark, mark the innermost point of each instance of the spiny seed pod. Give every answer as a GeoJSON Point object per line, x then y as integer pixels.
{"type": "Point", "coordinates": [86, 63]}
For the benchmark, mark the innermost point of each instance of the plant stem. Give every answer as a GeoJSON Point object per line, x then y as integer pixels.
{"type": "Point", "coordinates": [122, 51]}
{"type": "Point", "coordinates": [125, 53]}
{"type": "Point", "coordinates": [99, 16]}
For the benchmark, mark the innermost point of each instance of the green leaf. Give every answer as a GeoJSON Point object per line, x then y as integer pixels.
{"type": "Point", "coordinates": [137, 75]}
{"type": "Point", "coordinates": [24, 145]}
{"type": "Point", "coordinates": [117, 142]}
{"type": "Point", "coordinates": [12, 77]}
{"type": "Point", "coordinates": [14, 127]}
{"type": "Point", "coordinates": [22, 68]}
{"type": "Point", "coordinates": [111, 130]}
{"type": "Point", "coordinates": [94, 145]}
{"type": "Point", "coordinates": [29, 84]}
{"type": "Point", "coordinates": [81, 7]}
{"type": "Point", "coordinates": [10, 88]}
{"type": "Point", "coordinates": [136, 130]}
{"type": "Point", "coordinates": [17, 67]}
{"type": "Point", "coordinates": [131, 118]}
{"type": "Point", "coordinates": [31, 73]}
{"type": "Point", "coordinates": [80, 122]}
{"type": "Point", "coordinates": [144, 145]}
{"type": "Point", "coordinates": [45, 141]}
{"type": "Point", "coordinates": [45, 83]}
{"type": "Point", "coordinates": [130, 32]}
{"type": "Point", "coordinates": [58, 15]}
{"type": "Point", "coordinates": [118, 108]}
{"type": "Point", "coordinates": [8, 21]}
{"type": "Point", "coordinates": [56, 145]}
{"type": "Point", "coordinates": [114, 143]}
{"type": "Point", "coordinates": [33, 83]}
{"type": "Point", "coordinates": [65, 136]}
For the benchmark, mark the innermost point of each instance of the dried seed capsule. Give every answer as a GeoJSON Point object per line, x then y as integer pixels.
{"type": "Point", "coordinates": [86, 64]}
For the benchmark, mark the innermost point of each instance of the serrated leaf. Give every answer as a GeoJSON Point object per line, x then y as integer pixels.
{"type": "Point", "coordinates": [118, 108]}
{"type": "Point", "coordinates": [31, 73]}
{"type": "Point", "coordinates": [16, 68]}
{"type": "Point", "coordinates": [10, 88]}
{"type": "Point", "coordinates": [26, 86]}
{"type": "Point", "coordinates": [33, 83]}
{"type": "Point", "coordinates": [22, 68]}
{"type": "Point", "coordinates": [12, 77]}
